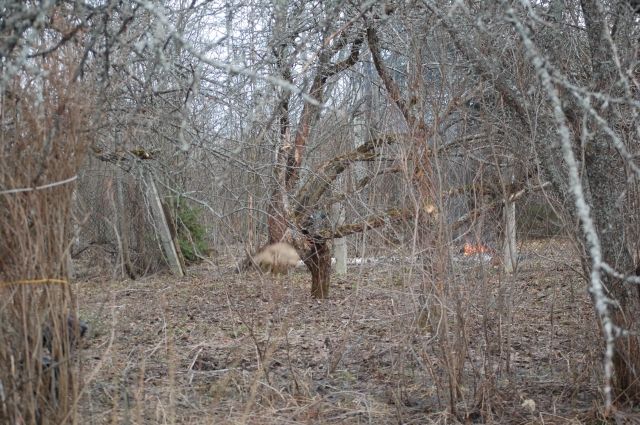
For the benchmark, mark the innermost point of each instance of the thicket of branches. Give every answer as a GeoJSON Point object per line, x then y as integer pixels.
{"type": "Point", "coordinates": [310, 121]}
{"type": "Point", "coordinates": [45, 124]}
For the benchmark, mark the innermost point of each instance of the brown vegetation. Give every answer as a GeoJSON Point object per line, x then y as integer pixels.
{"type": "Point", "coordinates": [42, 146]}
{"type": "Point", "coordinates": [209, 349]}
{"type": "Point", "coordinates": [394, 132]}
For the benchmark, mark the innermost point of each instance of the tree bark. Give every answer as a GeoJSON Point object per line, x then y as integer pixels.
{"type": "Point", "coordinates": [123, 228]}
{"type": "Point", "coordinates": [607, 181]}
{"type": "Point", "coordinates": [162, 225]}
{"type": "Point", "coordinates": [318, 261]}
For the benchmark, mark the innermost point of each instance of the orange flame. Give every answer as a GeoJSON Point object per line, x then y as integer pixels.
{"type": "Point", "coordinates": [470, 249]}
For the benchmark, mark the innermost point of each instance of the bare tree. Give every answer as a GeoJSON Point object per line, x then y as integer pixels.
{"type": "Point", "coordinates": [591, 110]}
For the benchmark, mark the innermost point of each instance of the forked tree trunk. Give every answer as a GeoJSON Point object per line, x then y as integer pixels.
{"type": "Point", "coordinates": [318, 261]}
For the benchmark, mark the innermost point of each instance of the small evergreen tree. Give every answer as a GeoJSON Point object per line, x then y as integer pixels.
{"type": "Point", "coordinates": [191, 232]}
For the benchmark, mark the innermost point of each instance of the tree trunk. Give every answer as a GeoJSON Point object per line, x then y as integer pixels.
{"type": "Point", "coordinates": [162, 226]}
{"type": "Point", "coordinates": [626, 358]}
{"type": "Point", "coordinates": [277, 223]}
{"type": "Point", "coordinates": [123, 229]}
{"type": "Point", "coordinates": [607, 183]}
{"type": "Point", "coordinates": [606, 186]}
{"type": "Point", "coordinates": [318, 260]}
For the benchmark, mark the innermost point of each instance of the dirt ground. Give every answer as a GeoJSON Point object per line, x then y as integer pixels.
{"type": "Point", "coordinates": [221, 347]}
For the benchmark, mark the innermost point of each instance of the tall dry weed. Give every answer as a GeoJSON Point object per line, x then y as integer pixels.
{"type": "Point", "coordinates": [43, 135]}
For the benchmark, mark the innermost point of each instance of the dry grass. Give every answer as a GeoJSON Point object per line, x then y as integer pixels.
{"type": "Point", "coordinates": [217, 347]}
{"type": "Point", "coordinates": [43, 138]}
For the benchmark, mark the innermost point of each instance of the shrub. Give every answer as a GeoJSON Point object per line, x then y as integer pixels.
{"type": "Point", "coordinates": [191, 232]}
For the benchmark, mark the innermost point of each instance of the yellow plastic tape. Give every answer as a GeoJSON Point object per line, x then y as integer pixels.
{"type": "Point", "coordinates": [35, 282]}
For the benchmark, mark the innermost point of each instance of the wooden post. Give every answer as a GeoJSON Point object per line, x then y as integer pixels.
{"type": "Point", "coordinates": [510, 250]}
{"type": "Point", "coordinates": [340, 244]}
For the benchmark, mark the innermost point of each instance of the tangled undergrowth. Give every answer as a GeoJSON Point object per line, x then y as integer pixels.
{"type": "Point", "coordinates": [219, 347]}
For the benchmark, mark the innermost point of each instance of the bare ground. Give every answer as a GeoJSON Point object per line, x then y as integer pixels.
{"type": "Point", "coordinates": [220, 347]}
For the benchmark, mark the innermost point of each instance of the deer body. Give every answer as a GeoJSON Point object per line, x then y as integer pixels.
{"type": "Point", "coordinates": [277, 258]}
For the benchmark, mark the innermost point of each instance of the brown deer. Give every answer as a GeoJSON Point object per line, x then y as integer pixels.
{"type": "Point", "coordinates": [277, 258]}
